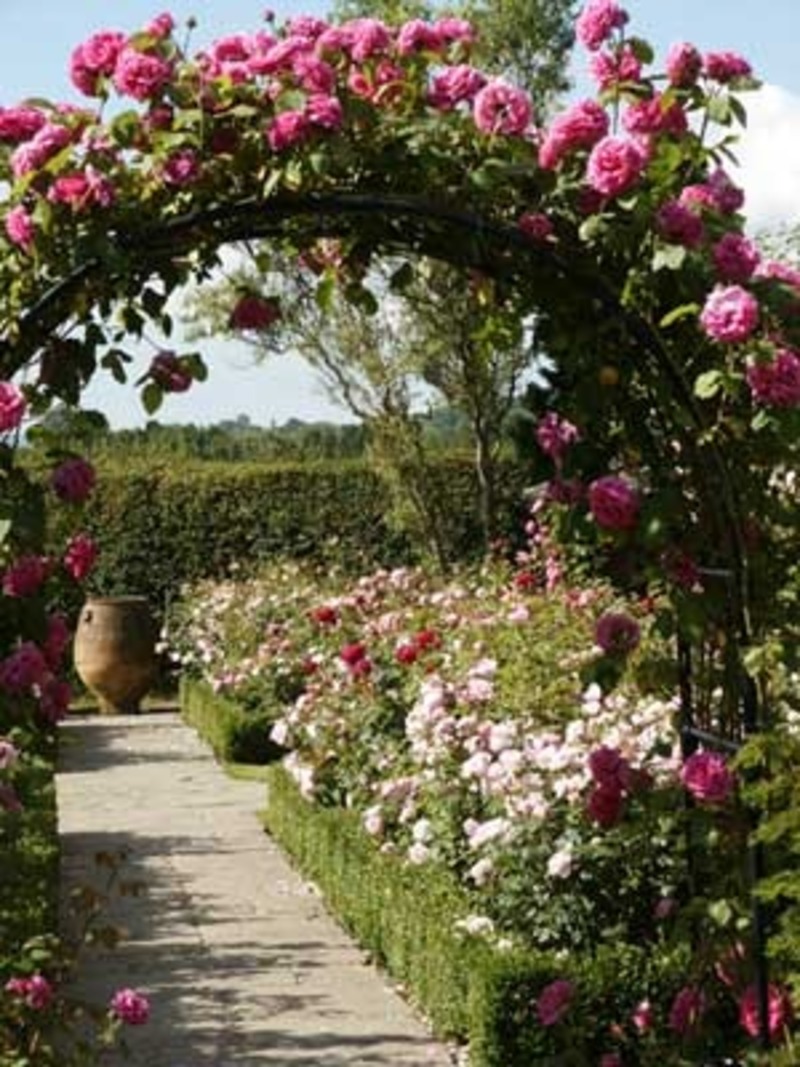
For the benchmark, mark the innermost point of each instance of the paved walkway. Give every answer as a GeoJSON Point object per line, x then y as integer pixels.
{"type": "Point", "coordinates": [243, 965]}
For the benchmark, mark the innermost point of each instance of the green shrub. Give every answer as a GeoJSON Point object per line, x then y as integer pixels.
{"type": "Point", "coordinates": [235, 735]}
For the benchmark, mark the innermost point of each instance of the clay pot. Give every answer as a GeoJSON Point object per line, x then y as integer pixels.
{"type": "Point", "coordinates": [115, 651]}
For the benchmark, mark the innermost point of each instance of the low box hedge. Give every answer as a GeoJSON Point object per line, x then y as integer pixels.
{"type": "Point", "coordinates": [235, 734]}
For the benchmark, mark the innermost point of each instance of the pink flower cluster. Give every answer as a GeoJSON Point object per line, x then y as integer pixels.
{"type": "Point", "coordinates": [80, 557]}
{"type": "Point", "coordinates": [500, 108]}
{"type": "Point", "coordinates": [707, 777]}
{"type": "Point", "coordinates": [36, 991]}
{"type": "Point", "coordinates": [613, 780]}
{"type": "Point", "coordinates": [776, 382]}
{"type": "Point", "coordinates": [20, 227]}
{"type": "Point", "coordinates": [13, 406]}
{"type": "Point", "coordinates": [555, 436]}
{"type": "Point", "coordinates": [597, 21]}
{"type": "Point", "coordinates": [130, 1006]}
{"type": "Point", "coordinates": [580, 126]}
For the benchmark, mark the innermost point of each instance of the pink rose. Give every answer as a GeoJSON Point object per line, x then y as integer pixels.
{"type": "Point", "coordinates": [80, 556]}
{"type": "Point", "coordinates": [368, 37]}
{"type": "Point", "coordinates": [596, 22]}
{"type": "Point", "coordinates": [287, 129]}
{"type": "Point", "coordinates": [779, 1011]}
{"type": "Point", "coordinates": [614, 503]}
{"type": "Point", "coordinates": [140, 75]}
{"type": "Point", "coordinates": [605, 804]}
{"type": "Point", "coordinates": [20, 227]}
{"type": "Point", "coordinates": [54, 698]}
{"type": "Point", "coordinates": [314, 74]}
{"type": "Point", "coordinates": [94, 60]}
{"type": "Point", "coordinates": [776, 383]}
{"type": "Point", "coordinates": [10, 802]}
{"type": "Point", "coordinates": [453, 30]}
{"type": "Point", "coordinates": [418, 36]}
{"type": "Point", "coordinates": [555, 436]}
{"type": "Point", "coordinates": [615, 165]}
{"type": "Point", "coordinates": [616, 633]}
{"type": "Point", "coordinates": [782, 272]}
{"type": "Point", "coordinates": [45, 143]}
{"type": "Point", "coordinates": [25, 576]}
{"type": "Point", "coordinates": [536, 225]}
{"type": "Point", "coordinates": [684, 64]}
{"type": "Point", "coordinates": [73, 480]}
{"type": "Point", "coordinates": [326, 112]}
{"type": "Point", "coordinates": [130, 1006]}
{"type": "Point", "coordinates": [23, 668]}
{"type": "Point", "coordinates": [707, 778]}
{"type": "Point", "coordinates": [643, 1016]}
{"type": "Point", "coordinates": [728, 197]}
{"type": "Point", "coordinates": [454, 86]}
{"type": "Point", "coordinates": [580, 126]}
{"type": "Point", "coordinates": [500, 108]}
{"type": "Point", "coordinates": [36, 991]}
{"type": "Point", "coordinates": [19, 124]}
{"type": "Point", "coordinates": [725, 66]}
{"type": "Point", "coordinates": [167, 370]}
{"type": "Point", "coordinates": [680, 225]}
{"type": "Point", "coordinates": [554, 1001]}
{"type": "Point", "coordinates": [612, 68]}
{"type": "Point", "coordinates": [653, 116]}
{"type": "Point", "coordinates": [12, 406]}
{"type": "Point", "coordinates": [181, 168]}
{"type": "Point", "coordinates": [57, 640]}
{"type": "Point", "coordinates": [730, 314]}
{"type": "Point", "coordinates": [735, 258]}
{"type": "Point", "coordinates": [161, 26]}
{"type": "Point", "coordinates": [252, 312]}
{"type": "Point", "coordinates": [687, 1010]}
{"type": "Point", "coordinates": [82, 190]}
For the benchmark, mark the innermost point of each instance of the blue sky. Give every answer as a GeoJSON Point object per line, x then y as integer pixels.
{"type": "Point", "coordinates": [36, 37]}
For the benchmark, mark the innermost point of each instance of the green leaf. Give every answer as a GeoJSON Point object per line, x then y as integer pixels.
{"type": "Point", "coordinates": [290, 100]}
{"type": "Point", "coordinates": [152, 396]}
{"type": "Point", "coordinates": [721, 913]}
{"type": "Point", "coordinates": [326, 287]}
{"type": "Point", "coordinates": [641, 49]}
{"type": "Point", "coordinates": [708, 384]}
{"type": "Point", "coordinates": [719, 110]}
{"type": "Point", "coordinates": [739, 111]}
{"type": "Point", "coordinates": [678, 313]}
{"type": "Point", "coordinates": [5, 529]}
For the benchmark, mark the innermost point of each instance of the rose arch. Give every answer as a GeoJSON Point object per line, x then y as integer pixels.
{"type": "Point", "coordinates": [614, 224]}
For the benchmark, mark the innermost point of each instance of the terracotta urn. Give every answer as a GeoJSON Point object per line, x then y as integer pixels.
{"type": "Point", "coordinates": [115, 651]}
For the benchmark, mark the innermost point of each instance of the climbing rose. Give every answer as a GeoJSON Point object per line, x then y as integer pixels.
{"type": "Point", "coordinates": [610, 1059]}
{"type": "Point", "coordinates": [679, 224]}
{"type": "Point", "coordinates": [20, 228]}
{"type": "Point", "coordinates": [324, 111]}
{"type": "Point", "coordinates": [652, 116]}
{"type": "Point", "coordinates": [536, 225]}
{"type": "Point", "coordinates": [252, 312]}
{"type": "Point", "coordinates": [610, 68]}
{"type": "Point", "coordinates": [139, 75]}
{"type": "Point", "coordinates": [597, 20]}
{"type": "Point", "coordinates": [616, 633]}
{"type": "Point", "coordinates": [776, 383]}
{"type": "Point", "coordinates": [782, 272]}
{"type": "Point", "coordinates": [36, 991]}
{"type": "Point", "coordinates": [73, 480]}
{"type": "Point", "coordinates": [19, 124]}
{"type": "Point", "coordinates": [12, 406]}
{"type": "Point", "coordinates": [82, 190]}
{"type": "Point", "coordinates": [287, 129]}
{"type": "Point", "coordinates": [455, 85]}
{"type": "Point", "coordinates": [553, 1002]}
{"type": "Point", "coordinates": [730, 314]}
{"type": "Point", "coordinates": [418, 36]}
{"type": "Point", "coordinates": [94, 60]}
{"type": "Point", "coordinates": [725, 66]}
{"type": "Point", "coordinates": [580, 126]}
{"type": "Point", "coordinates": [80, 556]}
{"type": "Point", "coordinates": [614, 503]}
{"type": "Point", "coordinates": [314, 74]}
{"type": "Point", "coordinates": [502, 108]}
{"type": "Point", "coordinates": [687, 1009]}
{"type": "Point", "coordinates": [25, 576]}
{"type": "Point", "coordinates": [45, 143]}
{"type": "Point", "coordinates": [735, 258]}
{"type": "Point", "coordinates": [705, 775]}
{"type": "Point", "coordinates": [369, 37]}
{"type": "Point", "coordinates": [555, 436]}
{"type": "Point", "coordinates": [130, 1006]}
{"type": "Point", "coordinates": [609, 768]}
{"type": "Point", "coordinates": [727, 196]}
{"type": "Point", "coordinates": [615, 164]}
{"type": "Point", "coordinates": [167, 371]}
{"type": "Point", "coordinates": [684, 64]}
{"type": "Point", "coordinates": [779, 1010]}
{"type": "Point", "coordinates": [181, 168]}
{"type": "Point", "coordinates": [23, 668]}
{"type": "Point", "coordinates": [452, 29]}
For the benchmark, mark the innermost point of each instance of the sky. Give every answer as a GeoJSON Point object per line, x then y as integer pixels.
{"type": "Point", "coordinates": [37, 36]}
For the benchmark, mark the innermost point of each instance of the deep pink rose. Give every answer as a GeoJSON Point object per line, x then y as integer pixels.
{"type": "Point", "coordinates": [140, 75]}
{"type": "Point", "coordinates": [181, 168]}
{"type": "Point", "coordinates": [54, 697]}
{"type": "Point", "coordinates": [23, 668]}
{"type": "Point", "coordinates": [314, 74]}
{"type": "Point", "coordinates": [779, 1010]}
{"type": "Point", "coordinates": [452, 29]}
{"type": "Point", "coordinates": [94, 60]}
{"type": "Point", "coordinates": [725, 66]}
{"type": "Point", "coordinates": [252, 312]}
{"type": "Point", "coordinates": [611, 68]}
{"type": "Point", "coordinates": [555, 436]}
{"type": "Point", "coordinates": [45, 143]}
{"type": "Point", "coordinates": [36, 991]}
{"type": "Point", "coordinates": [536, 225]}
{"type": "Point", "coordinates": [161, 26]}
{"type": "Point", "coordinates": [368, 37]}
{"type": "Point", "coordinates": [730, 314]}
{"type": "Point", "coordinates": [287, 129]}
{"type": "Point", "coordinates": [167, 370]}
{"type": "Point", "coordinates": [615, 165]}
{"type": "Point", "coordinates": [130, 1006]}
{"type": "Point", "coordinates": [684, 64]}
{"type": "Point", "coordinates": [735, 258]}
{"type": "Point", "coordinates": [500, 108]}
{"type": "Point", "coordinates": [687, 1010]}
{"type": "Point", "coordinates": [326, 112]}
{"type": "Point", "coordinates": [643, 1016]}
{"type": "Point", "coordinates": [13, 406]}
{"type": "Point", "coordinates": [80, 556]}
{"type": "Point", "coordinates": [596, 22]}
{"type": "Point", "coordinates": [614, 502]}
{"type": "Point", "coordinates": [554, 1001]}
{"type": "Point", "coordinates": [776, 383]}
{"type": "Point", "coordinates": [306, 26]}
{"type": "Point", "coordinates": [20, 227]}
{"type": "Point", "coordinates": [82, 190]}
{"type": "Point", "coordinates": [782, 272]}
{"type": "Point", "coordinates": [455, 85]}
{"type": "Point", "coordinates": [57, 640]}
{"type": "Point", "coordinates": [19, 124]}
{"type": "Point", "coordinates": [706, 776]}
{"type": "Point", "coordinates": [26, 576]}
{"type": "Point", "coordinates": [653, 116]}
{"type": "Point", "coordinates": [616, 633]}
{"type": "Point", "coordinates": [605, 804]}
{"type": "Point", "coordinates": [352, 653]}
{"type": "Point", "coordinates": [73, 480]}
{"type": "Point", "coordinates": [680, 225]}
{"type": "Point", "coordinates": [729, 198]}
{"type": "Point", "coordinates": [418, 36]}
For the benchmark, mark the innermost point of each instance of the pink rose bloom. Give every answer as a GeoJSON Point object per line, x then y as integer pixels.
{"type": "Point", "coordinates": [82, 190]}
{"type": "Point", "coordinates": [555, 436]}
{"type": "Point", "coordinates": [181, 168]}
{"type": "Point", "coordinates": [80, 557]}
{"type": "Point", "coordinates": [19, 124]}
{"type": "Point", "coordinates": [140, 75]}
{"type": "Point", "coordinates": [167, 371]}
{"type": "Point", "coordinates": [653, 117]}
{"type": "Point", "coordinates": [782, 272]}
{"type": "Point", "coordinates": [502, 108]}
{"type": "Point", "coordinates": [605, 804]}
{"type": "Point", "coordinates": [306, 26]}
{"type": "Point", "coordinates": [779, 1011]}
{"type": "Point", "coordinates": [580, 126]}
{"type": "Point", "coordinates": [679, 225]}
{"type": "Point", "coordinates": [368, 37]}
{"type": "Point", "coordinates": [684, 64]}
{"type": "Point", "coordinates": [687, 1010]}
{"type": "Point", "coordinates": [54, 698]}
{"type": "Point", "coordinates": [454, 86]}
{"type": "Point", "coordinates": [725, 66]}
{"type": "Point", "coordinates": [130, 1006]}
{"type": "Point", "coordinates": [161, 26]}
{"type": "Point", "coordinates": [616, 633]}
{"type": "Point", "coordinates": [252, 312]}
{"type": "Point", "coordinates": [352, 653]}
{"type": "Point", "coordinates": [23, 668]}
{"type": "Point", "coordinates": [94, 60]}
{"type": "Point", "coordinates": [554, 1001]}
{"type": "Point", "coordinates": [614, 503]}
{"type": "Point", "coordinates": [325, 112]}
{"type": "Point", "coordinates": [418, 36]}
{"type": "Point", "coordinates": [615, 165]}
{"type": "Point", "coordinates": [707, 778]}
{"type": "Point", "coordinates": [596, 22]}
{"type": "Point", "coordinates": [729, 198]}
{"type": "Point", "coordinates": [36, 991]}
{"type": "Point", "coordinates": [57, 640]}
{"type": "Point", "coordinates": [25, 576]}
{"type": "Point", "coordinates": [20, 228]}
{"type": "Point", "coordinates": [333, 41]}
{"type": "Point", "coordinates": [13, 406]}
{"type": "Point", "coordinates": [730, 314]}
{"type": "Point", "coordinates": [287, 129]}
{"type": "Point", "coordinates": [776, 383]}
{"type": "Point", "coordinates": [9, 754]}
{"type": "Point", "coordinates": [452, 30]}
{"type": "Point", "coordinates": [314, 74]}
{"type": "Point", "coordinates": [643, 1016]}
{"type": "Point", "coordinates": [536, 225]}
{"type": "Point", "coordinates": [45, 143]}
{"type": "Point", "coordinates": [609, 767]}
{"type": "Point", "coordinates": [73, 480]}
{"type": "Point", "coordinates": [735, 258]}
{"type": "Point", "coordinates": [611, 68]}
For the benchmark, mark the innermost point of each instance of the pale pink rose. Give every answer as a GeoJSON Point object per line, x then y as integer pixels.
{"type": "Point", "coordinates": [45, 143]}
{"type": "Point", "coordinates": [561, 863]}
{"type": "Point", "coordinates": [13, 406]}
{"type": "Point", "coordinates": [454, 86]}
{"type": "Point", "coordinates": [725, 66]}
{"type": "Point", "coordinates": [779, 1011]}
{"type": "Point", "coordinates": [287, 129]}
{"type": "Point", "coordinates": [372, 820]}
{"type": "Point", "coordinates": [181, 168]}
{"type": "Point", "coordinates": [612, 68]}
{"type": "Point", "coordinates": [684, 64]}
{"type": "Point", "coordinates": [95, 60]}
{"type": "Point", "coordinates": [130, 1006]}
{"type": "Point", "coordinates": [617, 634]}
{"type": "Point", "coordinates": [23, 668]}
{"type": "Point", "coordinates": [25, 576]}
{"type": "Point", "coordinates": [615, 165]}
{"type": "Point", "coordinates": [500, 108]}
{"type": "Point", "coordinates": [140, 75]}
{"type": "Point", "coordinates": [614, 503]}
{"type": "Point", "coordinates": [707, 777]}
{"type": "Point", "coordinates": [20, 123]}
{"type": "Point", "coordinates": [73, 480]}
{"type": "Point", "coordinates": [20, 228]}
{"type": "Point", "coordinates": [680, 225]}
{"type": "Point", "coordinates": [418, 36]}
{"type": "Point", "coordinates": [80, 556]}
{"type": "Point", "coordinates": [687, 1010]}
{"type": "Point", "coordinates": [554, 1001]}
{"type": "Point", "coordinates": [9, 754]}
{"type": "Point", "coordinates": [482, 871]}
{"type": "Point", "coordinates": [167, 370]}
{"type": "Point", "coordinates": [730, 314]}
{"type": "Point", "coordinates": [580, 126]}
{"type": "Point", "coordinates": [777, 382]}
{"type": "Point", "coordinates": [536, 225]}
{"type": "Point", "coordinates": [735, 258]}
{"type": "Point", "coordinates": [325, 112]}
{"type": "Point", "coordinates": [782, 272]}
{"type": "Point", "coordinates": [597, 21]}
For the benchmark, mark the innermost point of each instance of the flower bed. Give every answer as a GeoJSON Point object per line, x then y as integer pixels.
{"type": "Point", "coordinates": [235, 734]}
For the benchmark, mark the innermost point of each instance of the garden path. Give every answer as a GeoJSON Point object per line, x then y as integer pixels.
{"type": "Point", "coordinates": [243, 965]}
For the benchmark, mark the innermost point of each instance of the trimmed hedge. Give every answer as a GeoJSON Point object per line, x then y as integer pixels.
{"type": "Point", "coordinates": [235, 735]}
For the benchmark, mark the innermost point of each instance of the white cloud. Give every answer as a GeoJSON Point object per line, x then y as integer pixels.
{"type": "Point", "coordinates": [769, 157]}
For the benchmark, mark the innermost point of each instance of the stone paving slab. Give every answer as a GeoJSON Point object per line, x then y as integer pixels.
{"type": "Point", "coordinates": [243, 965]}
